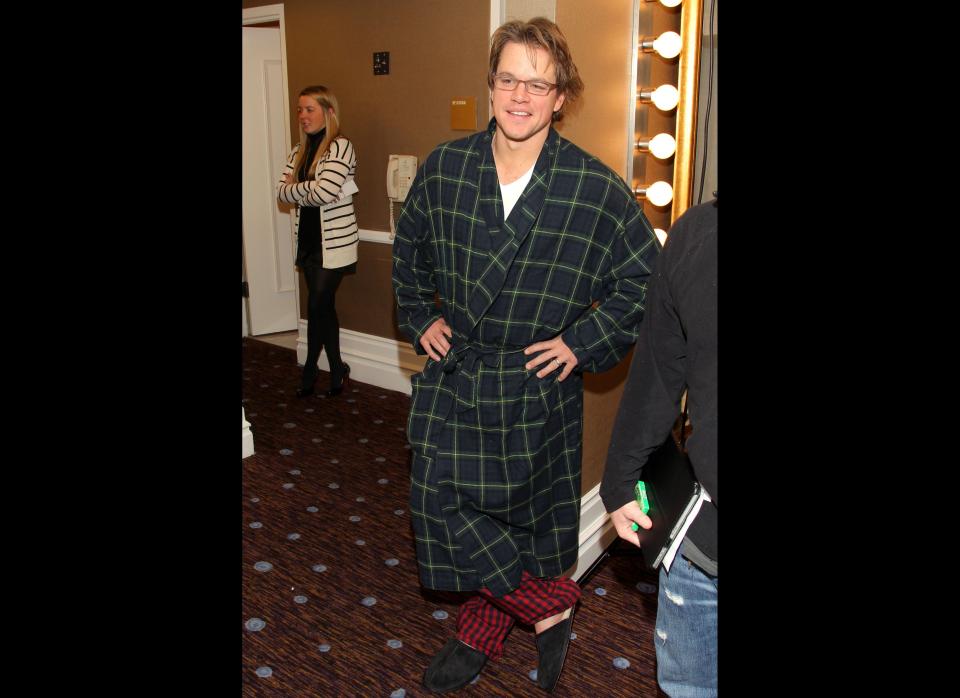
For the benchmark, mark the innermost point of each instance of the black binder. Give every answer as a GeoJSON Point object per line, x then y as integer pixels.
{"type": "Point", "coordinates": [672, 491]}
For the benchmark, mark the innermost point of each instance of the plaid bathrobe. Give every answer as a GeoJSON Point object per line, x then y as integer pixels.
{"type": "Point", "coordinates": [495, 479]}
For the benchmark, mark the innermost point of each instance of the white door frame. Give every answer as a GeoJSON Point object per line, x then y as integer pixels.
{"type": "Point", "coordinates": [273, 13]}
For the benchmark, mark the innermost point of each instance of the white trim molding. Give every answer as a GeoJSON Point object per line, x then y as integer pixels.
{"type": "Point", "coordinates": [497, 13]}
{"type": "Point", "coordinates": [378, 361]}
{"type": "Point", "coordinates": [596, 532]}
{"type": "Point", "coordinates": [247, 435]}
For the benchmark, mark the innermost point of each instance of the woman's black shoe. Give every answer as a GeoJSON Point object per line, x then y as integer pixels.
{"type": "Point", "coordinates": [344, 381]}
{"type": "Point", "coordinates": [303, 392]}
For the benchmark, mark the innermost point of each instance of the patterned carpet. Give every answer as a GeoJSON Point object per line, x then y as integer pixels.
{"type": "Point", "coordinates": [331, 601]}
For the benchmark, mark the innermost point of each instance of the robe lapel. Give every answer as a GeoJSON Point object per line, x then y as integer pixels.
{"type": "Point", "coordinates": [506, 237]}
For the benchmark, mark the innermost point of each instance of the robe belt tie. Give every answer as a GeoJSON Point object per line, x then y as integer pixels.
{"type": "Point", "coordinates": [462, 361]}
{"type": "Point", "coordinates": [456, 385]}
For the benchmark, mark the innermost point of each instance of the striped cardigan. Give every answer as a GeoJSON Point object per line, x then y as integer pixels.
{"type": "Point", "coordinates": [331, 190]}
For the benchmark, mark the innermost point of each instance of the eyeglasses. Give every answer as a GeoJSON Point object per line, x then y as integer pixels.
{"type": "Point", "coordinates": [505, 81]}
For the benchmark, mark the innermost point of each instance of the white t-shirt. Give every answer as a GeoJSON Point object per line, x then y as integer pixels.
{"type": "Point", "coordinates": [511, 192]}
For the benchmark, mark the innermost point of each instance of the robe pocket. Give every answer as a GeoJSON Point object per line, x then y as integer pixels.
{"type": "Point", "coordinates": [538, 397]}
{"type": "Point", "coordinates": [422, 386]}
{"type": "Point", "coordinates": [549, 391]}
{"type": "Point", "coordinates": [424, 378]}
{"type": "Point", "coordinates": [413, 419]}
{"type": "Point", "coordinates": [411, 415]}
{"type": "Point", "coordinates": [429, 371]}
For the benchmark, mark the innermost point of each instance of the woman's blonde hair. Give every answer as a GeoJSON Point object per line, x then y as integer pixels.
{"type": "Point", "coordinates": [327, 101]}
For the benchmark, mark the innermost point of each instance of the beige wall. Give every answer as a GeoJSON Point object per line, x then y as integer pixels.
{"type": "Point", "coordinates": [438, 50]}
{"type": "Point", "coordinates": [365, 300]}
{"type": "Point", "coordinates": [528, 9]}
{"type": "Point", "coordinates": [601, 49]}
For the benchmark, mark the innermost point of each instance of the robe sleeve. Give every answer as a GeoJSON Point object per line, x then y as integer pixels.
{"type": "Point", "coordinates": [414, 283]}
{"type": "Point", "coordinates": [604, 335]}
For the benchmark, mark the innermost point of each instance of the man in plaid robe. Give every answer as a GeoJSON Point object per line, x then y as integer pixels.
{"type": "Point", "coordinates": [539, 256]}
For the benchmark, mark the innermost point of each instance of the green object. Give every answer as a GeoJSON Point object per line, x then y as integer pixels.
{"type": "Point", "coordinates": [640, 490]}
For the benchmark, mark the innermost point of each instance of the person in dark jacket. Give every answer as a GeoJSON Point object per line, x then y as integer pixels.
{"type": "Point", "coordinates": [539, 254]}
{"type": "Point", "coordinates": [676, 350]}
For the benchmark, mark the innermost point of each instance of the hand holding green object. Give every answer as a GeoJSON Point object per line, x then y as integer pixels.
{"type": "Point", "coordinates": [640, 490]}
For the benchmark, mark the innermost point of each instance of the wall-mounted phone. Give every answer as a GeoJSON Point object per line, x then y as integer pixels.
{"type": "Point", "coordinates": [400, 172]}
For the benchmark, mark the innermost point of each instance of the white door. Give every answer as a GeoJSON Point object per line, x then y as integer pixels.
{"type": "Point", "coordinates": [268, 251]}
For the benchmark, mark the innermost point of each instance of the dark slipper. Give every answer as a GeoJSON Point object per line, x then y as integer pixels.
{"type": "Point", "coordinates": [552, 647]}
{"type": "Point", "coordinates": [453, 667]}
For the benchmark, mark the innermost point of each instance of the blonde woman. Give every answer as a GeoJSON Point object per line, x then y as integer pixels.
{"type": "Point", "coordinates": [318, 179]}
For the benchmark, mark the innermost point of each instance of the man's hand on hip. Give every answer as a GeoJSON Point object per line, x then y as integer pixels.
{"type": "Point", "coordinates": [556, 353]}
{"type": "Point", "coordinates": [433, 340]}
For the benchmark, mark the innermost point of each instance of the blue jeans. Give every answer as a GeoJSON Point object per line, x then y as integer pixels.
{"type": "Point", "coordinates": [686, 633]}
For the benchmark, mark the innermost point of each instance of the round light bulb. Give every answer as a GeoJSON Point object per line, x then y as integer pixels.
{"type": "Point", "coordinates": [670, 3]}
{"type": "Point", "coordinates": [665, 97]}
{"type": "Point", "coordinates": [659, 193]}
{"type": "Point", "coordinates": [661, 236]}
{"type": "Point", "coordinates": [663, 145]}
{"type": "Point", "coordinates": [660, 146]}
{"type": "Point", "coordinates": [668, 44]}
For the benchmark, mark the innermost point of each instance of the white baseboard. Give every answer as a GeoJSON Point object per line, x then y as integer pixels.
{"type": "Point", "coordinates": [389, 364]}
{"type": "Point", "coordinates": [596, 532]}
{"type": "Point", "coordinates": [378, 361]}
{"type": "Point", "coordinates": [247, 435]}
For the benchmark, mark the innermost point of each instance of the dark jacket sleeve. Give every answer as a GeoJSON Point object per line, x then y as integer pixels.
{"type": "Point", "coordinates": [651, 397]}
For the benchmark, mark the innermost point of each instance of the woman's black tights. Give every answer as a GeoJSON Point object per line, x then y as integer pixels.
{"type": "Point", "coordinates": [323, 329]}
